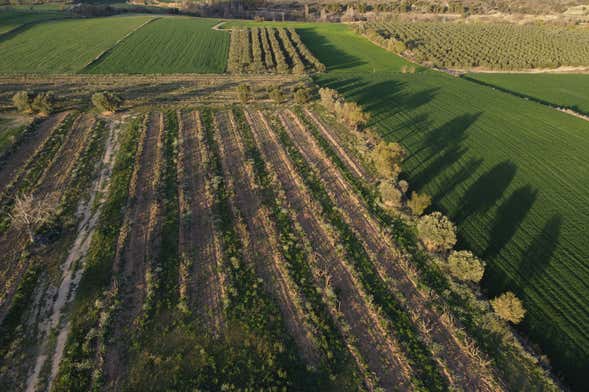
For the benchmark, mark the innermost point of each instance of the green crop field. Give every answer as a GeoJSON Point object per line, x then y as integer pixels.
{"type": "Point", "coordinates": [565, 90]}
{"type": "Point", "coordinates": [169, 45]}
{"type": "Point", "coordinates": [63, 46]}
{"type": "Point", "coordinates": [510, 172]}
{"type": "Point", "coordinates": [11, 19]}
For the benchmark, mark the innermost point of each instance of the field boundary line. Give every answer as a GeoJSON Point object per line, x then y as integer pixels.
{"type": "Point", "coordinates": [18, 29]}
{"type": "Point", "coordinates": [106, 52]}
{"type": "Point", "coordinates": [217, 27]}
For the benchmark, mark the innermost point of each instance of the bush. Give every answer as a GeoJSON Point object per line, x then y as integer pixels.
{"type": "Point", "coordinates": [509, 307]}
{"type": "Point", "coordinates": [436, 232]}
{"type": "Point", "coordinates": [106, 102]}
{"type": "Point", "coordinates": [387, 158]}
{"type": "Point", "coordinates": [302, 95]}
{"type": "Point", "coordinates": [244, 92]}
{"type": "Point", "coordinates": [403, 186]}
{"type": "Point", "coordinates": [390, 195]}
{"type": "Point", "coordinates": [22, 101]}
{"type": "Point", "coordinates": [43, 103]}
{"type": "Point", "coordinates": [276, 94]}
{"type": "Point", "coordinates": [419, 203]}
{"type": "Point", "coordinates": [466, 266]}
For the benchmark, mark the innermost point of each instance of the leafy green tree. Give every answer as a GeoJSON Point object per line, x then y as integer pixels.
{"type": "Point", "coordinates": [43, 103]}
{"type": "Point", "coordinates": [509, 307]}
{"type": "Point", "coordinates": [436, 232]}
{"type": "Point", "coordinates": [387, 158]}
{"type": "Point", "coordinates": [22, 101]}
{"type": "Point", "coordinates": [418, 203]}
{"type": "Point", "coordinates": [390, 195]}
{"type": "Point", "coordinates": [106, 102]}
{"type": "Point", "coordinates": [275, 94]}
{"type": "Point", "coordinates": [466, 266]}
{"type": "Point", "coordinates": [302, 95]}
{"type": "Point", "coordinates": [244, 92]}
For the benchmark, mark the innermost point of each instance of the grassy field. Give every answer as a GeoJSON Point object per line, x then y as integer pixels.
{"type": "Point", "coordinates": [11, 19]}
{"type": "Point", "coordinates": [511, 173]}
{"type": "Point", "coordinates": [566, 90]}
{"type": "Point", "coordinates": [169, 45]}
{"type": "Point", "coordinates": [56, 47]}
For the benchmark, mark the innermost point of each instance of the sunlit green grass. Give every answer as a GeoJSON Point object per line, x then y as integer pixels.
{"type": "Point", "coordinates": [63, 46]}
{"type": "Point", "coordinates": [169, 45]}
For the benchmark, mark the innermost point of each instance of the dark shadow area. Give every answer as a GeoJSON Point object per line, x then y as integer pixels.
{"type": "Point", "coordinates": [328, 54]}
{"type": "Point", "coordinates": [466, 171]}
{"type": "Point", "coordinates": [486, 190]}
{"type": "Point", "coordinates": [536, 257]}
{"type": "Point", "coordinates": [508, 219]}
{"type": "Point", "coordinates": [437, 166]}
{"type": "Point", "coordinates": [418, 124]}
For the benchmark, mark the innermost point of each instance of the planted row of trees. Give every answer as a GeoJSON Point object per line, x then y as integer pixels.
{"type": "Point", "coordinates": [274, 50]}
{"type": "Point", "coordinates": [488, 45]}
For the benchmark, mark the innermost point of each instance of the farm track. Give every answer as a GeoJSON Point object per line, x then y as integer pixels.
{"type": "Point", "coordinates": [198, 240]}
{"type": "Point", "coordinates": [138, 249]}
{"type": "Point", "coordinates": [461, 368]}
{"type": "Point", "coordinates": [71, 274]}
{"type": "Point", "coordinates": [376, 347]}
{"type": "Point", "coordinates": [262, 249]}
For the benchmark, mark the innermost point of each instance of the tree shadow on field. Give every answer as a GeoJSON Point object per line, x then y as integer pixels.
{"type": "Point", "coordinates": [418, 124]}
{"type": "Point", "coordinates": [466, 171]}
{"type": "Point", "coordinates": [437, 166]}
{"type": "Point", "coordinates": [508, 219]}
{"type": "Point", "coordinates": [536, 257]}
{"type": "Point", "coordinates": [327, 53]}
{"type": "Point", "coordinates": [486, 190]}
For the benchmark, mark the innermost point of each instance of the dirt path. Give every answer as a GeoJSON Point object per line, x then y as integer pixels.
{"type": "Point", "coordinates": [460, 368]}
{"type": "Point", "coordinates": [137, 254]}
{"type": "Point", "coordinates": [198, 240]}
{"type": "Point", "coordinates": [9, 168]}
{"type": "Point", "coordinates": [379, 351]}
{"type": "Point", "coordinates": [263, 249]}
{"type": "Point", "coordinates": [71, 276]}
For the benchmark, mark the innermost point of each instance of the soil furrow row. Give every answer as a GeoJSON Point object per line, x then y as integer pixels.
{"type": "Point", "coordinates": [377, 349]}
{"type": "Point", "coordinates": [263, 248]}
{"type": "Point", "coordinates": [464, 370]}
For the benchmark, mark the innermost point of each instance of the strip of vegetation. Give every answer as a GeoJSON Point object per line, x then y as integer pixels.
{"type": "Point", "coordinates": [338, 360]}
{"type": "Point", "coordinates": [33, 170]}
{"type": "Point", "coordinates": [250, 308]}
{"type": "Point", "coordinates": [8, 147]}
{"type": "Point", "coordinates": [427, 375]}
{"type": "Point", "coordinates": [78, 362]}
{"type": "Point", "coordinates": [493, 338]}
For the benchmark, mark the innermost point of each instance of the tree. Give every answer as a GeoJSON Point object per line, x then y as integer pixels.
{"type": "Point", "coordinates": [43, 103]}
{"type": "Point", "coordinates": [353, 115]}
{"type": "Point", "coordinates": [302, 95]}
{"type": "Point", "coordinates": [466, 266]}
{"type": "Point", "coordinates": [509, 307]}
{"type": "Point", "coordinates": [276, 94]}
{"type": "Point", "coordinates": [244, 92]}
{"type": "Point", "coordinates": [329, 97]}
{"type": "Point", "coordinates": [30, 212]}
{"type": "Point", "coordinates": [390, 195]}
{"type": "Point", "coordinates": [419, 202]}
{"type": "Point", "coordinates": [387, 158]}
{"type": "Point", "coordinates": [106, 102]}
{"type": "Point", "coordinates": [22, 101]}
{"type": "Point", "coordinates": [436, 232]}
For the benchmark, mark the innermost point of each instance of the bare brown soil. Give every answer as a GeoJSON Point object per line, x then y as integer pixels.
{"type": "Point", "coordinates": [376, 347]}
{"type": "Point", "coordinates": [137, 251]}
{"type": "Point", "coordinates": [460, 368]}
{"type": "Point", "coordinates": [262, 249]}
{"type": "Point", "coordinates": [199, 242]}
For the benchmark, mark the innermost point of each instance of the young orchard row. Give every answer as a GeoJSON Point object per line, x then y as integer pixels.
{"type": "Point", "coordinates": [274, 50]}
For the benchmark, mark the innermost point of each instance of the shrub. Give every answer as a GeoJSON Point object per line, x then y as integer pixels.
{"type": "Point", "coordinates": [390, 195]}
{"type": "Point", "coordinates": [43, 103]}
{"type": "Point", "coordinates": [436, 232]}
{"type": "Point", "coordinates": [419, 202]}
{"type": "Point", "coordinates": [353, 115]}
{"type": "Point", "coordinates": [466, 266]}
{"type": "Point", "coordinates": [106, 102]}
{"type": "Point", "coordinates": [276, 94]}
{"type": "Point", "coordinates": [244, 92]}
{"type": "Point", "coordinates": [302, 95]}
{"type": "Point", "coordinates": [329, 97]}
{"type": "Point", "coordinates": [509, 307]}
{"type": "Point", "coordinates": [403, 186]}
{"type": "Point", "coordinates": [387, 158]}
{"type": "Point", "coordinates": [22, 101]}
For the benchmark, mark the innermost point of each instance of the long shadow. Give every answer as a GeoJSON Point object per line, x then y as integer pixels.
{"type": "Point", "coordinates": [536, 257]}
{"type": "Point", "coordinates": [508, 219]}
{"type": "Point", "coordinates": [328, 54]}
{"type": "Point", "coordinates": [466, 171]}
{"type": "Point", "coordinates": [486, 190]}
{"type": "Point", "coordinates": [438, 166]}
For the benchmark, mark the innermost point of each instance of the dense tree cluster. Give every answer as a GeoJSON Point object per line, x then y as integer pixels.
{"type": "Point", "coordinates": [274, 50]}
{"type": "Point", "coordinates": [488, 45]}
